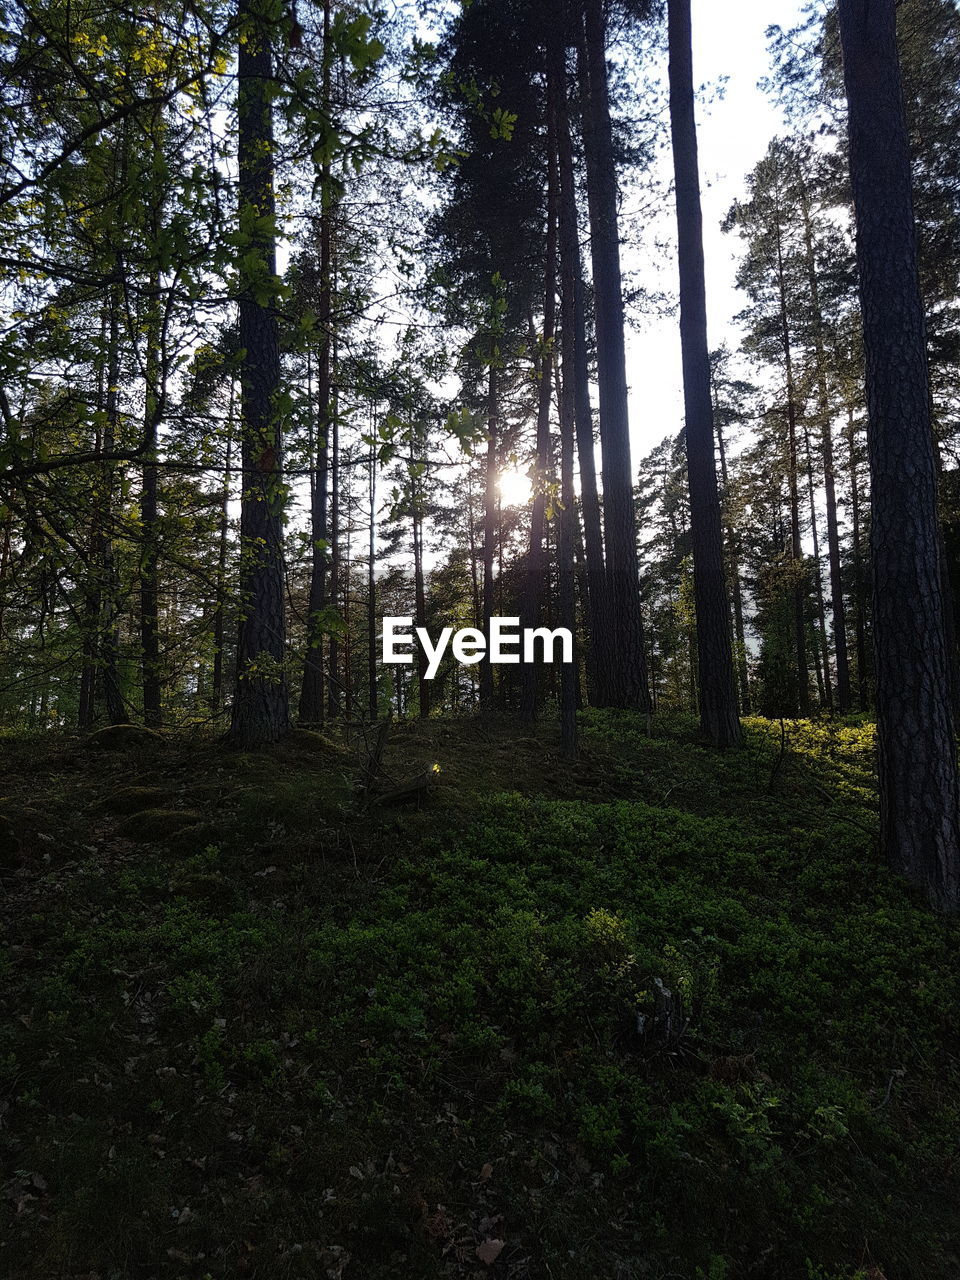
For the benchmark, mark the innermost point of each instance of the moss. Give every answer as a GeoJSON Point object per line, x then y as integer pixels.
{"type": "Point", "coordinates": [157, 825]}
{"type": "Point", "coordinates": [423, 1029]}
{"type": "Point", "coordinates": [310, 741]}
{"type": "Point", "coordinates": [123, 737]}
{"type": "Point", "coordinates": [136, 799]}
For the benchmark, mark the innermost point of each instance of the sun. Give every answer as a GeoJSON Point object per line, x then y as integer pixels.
{"type": "Point", "coordinates": [514, 487]}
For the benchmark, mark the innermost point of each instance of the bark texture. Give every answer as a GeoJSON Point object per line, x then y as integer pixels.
{"type": "Point", "coordinates": [260, 705]}
{"type": "Point", "coordinates": [533, 577]}
{"type": "Point", "coordinates": [919, 792]}
{"type": "Point", "coordinates": [626, 682]}
{"type": "Point", "coordinates": [719, 719]}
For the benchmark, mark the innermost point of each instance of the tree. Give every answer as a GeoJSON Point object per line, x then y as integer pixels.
{"type": "Point", "coordinates": [627, 684]}
{"type": "Point", "coordinates": [917, 751]}
{"type": "Point", "coordinates": [260, 705]}
{"type": "Point", "coordinates": [719, 720]}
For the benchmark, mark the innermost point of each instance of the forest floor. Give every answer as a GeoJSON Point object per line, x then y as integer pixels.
{"type": "Point", "coordinates": [256, 1026]}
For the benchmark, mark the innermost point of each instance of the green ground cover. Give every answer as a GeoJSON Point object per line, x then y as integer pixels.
{"type": "Point", "coordinates": [256, 1026]}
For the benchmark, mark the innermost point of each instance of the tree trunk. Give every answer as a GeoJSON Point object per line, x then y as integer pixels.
{"type": "Point", "coordinates": [419, 585]}
{"type": "Point", "coordinates": [260, 703]}
{"type": "Point", "coordinates": [533, 579]}
{"type": "Point", "coordinates": [149, 512]}
{"type": "Point", "coordinates": [859, 594]}
{"type": "Point", "coordinates": [821, 650]}
{"type": "Point", "coordinates": [719, 718]}
{"type": "Point", "coordinates": [796, 548]}
{"type": "Point", "coordinates": [372, 704]}
{"type": "Point", "coordinates": [627, 684]}
{"type": "Point", "coordinates": [571, 268]}
{"type": "Point", "coordinates": [917, 749]}
{"type": "Point", "coordinates": [837, 608]}
{"type": "Point", "coordinates": [564, 209]}
{"type": "Point", "coordinates": [216, 693]}
{"type": "Point", "coordinates": [743, 673]}
{"type": "Point", "coordinates": [311, 691]}
{"type": "Point", "coordinates": [110, 641]}
{"type": "Point", "coordinates": [333, 663]}
{"type": "Point", "coordinates": [489, 522]}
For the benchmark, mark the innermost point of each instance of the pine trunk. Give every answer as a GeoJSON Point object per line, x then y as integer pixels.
{"type": "Point", "coordinates": [533, 579]}
{"type": "Point", "coordinates": [719, 718]}
{"type": "Point", "coordinates": [260, 703]}
{"type": "Point", "coordinates": [310, 710]}
{"type": "Point", "coordinates": [917, 749]}
{"type": "Point", "coordinates": [489, 524]}
{"type": "Point", "coordinates": [627, 684]}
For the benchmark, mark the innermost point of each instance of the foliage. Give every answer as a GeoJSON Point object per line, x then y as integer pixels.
{"type": "Point", "coordinates": [396, 1038]}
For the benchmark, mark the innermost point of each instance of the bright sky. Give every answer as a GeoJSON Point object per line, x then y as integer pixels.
{"type": "Point", "coordinates": [728, 39]}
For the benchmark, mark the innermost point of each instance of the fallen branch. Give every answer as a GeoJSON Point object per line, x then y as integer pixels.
{"type": "Point", "coordinates": [410, 789]}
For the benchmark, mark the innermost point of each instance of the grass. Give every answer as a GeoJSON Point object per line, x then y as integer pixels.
{"type": "Point", "coordinates": [258, 1028]}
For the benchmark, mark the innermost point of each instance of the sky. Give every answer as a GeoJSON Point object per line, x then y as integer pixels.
{"type": "Point", "coordinates": [733, 133]}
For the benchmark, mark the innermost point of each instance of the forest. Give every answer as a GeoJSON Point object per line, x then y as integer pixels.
{"type": "Point", "coordinates": [441, 833]}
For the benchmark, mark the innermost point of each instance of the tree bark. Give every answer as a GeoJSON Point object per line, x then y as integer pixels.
{"type": "Point", "coordinates": [917, 750]}
{"type": "Point", "coordinates": [311, 690]}
{"type": "Point", "coordinates": [627, 684]}
{"type": "Point", "coordinates": [859, 594]}
{"type": "Point", "coordinates": [736, 591]}
{"type": "Point", "coordinates": [821, 649]}
{"type": "Point", "coordinates": [260, 703]}
{"type": "Point", "coordinates": [419, 584]}
{"type": "Point", "coordinates": [837, 608]}
{"type": "Point", "coordinates": [149, 511]}
{"type": "Point", "coordinates": [110, 641]}
{"type": "Point", "coordinates": [489, 522]}
{"type": "Point", "coordinates": [333, 661]}
{"type": "Point", "coordinates": [533, 578]}
{"type": "Point", "coordinates": [564, 204]}
{"type": "Point", "coordinates": [372, 704]}
{"type": "Point", "coordinates": [796, 548]}
{"type": "Point", "coordinates": [719, 718]}
{"type": "Point", "coordinates": [216, 692]}
{"type": "Point", "coordinates": [571, 267]}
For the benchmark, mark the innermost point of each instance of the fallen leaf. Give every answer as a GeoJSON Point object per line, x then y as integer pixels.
{"type": "Point", "coordinates": [489, 1251]}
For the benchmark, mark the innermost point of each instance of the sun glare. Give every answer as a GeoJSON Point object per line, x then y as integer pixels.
{"type": "Point", "coordinates": [515, 488]}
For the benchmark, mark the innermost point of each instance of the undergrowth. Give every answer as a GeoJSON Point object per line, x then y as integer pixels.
{"type": "Point", "coordinates": [257, 1026]}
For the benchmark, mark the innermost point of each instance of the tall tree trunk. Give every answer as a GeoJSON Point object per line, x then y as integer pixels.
{"type": "Point", "coordinates": [627, 685]}
{"type": "Point", "coordinates": [216, 693]}
{"type": "Point", "coordinates": [563, 210]}
{"type": "Point", "coordinates": [347, 636]}
{"type": "Point", "coordinates": [837, 608]}
{"type": "Point", "coordinates": [310, 710]}
{"type": "Point", "coordinates": [575, 337]}
{"type": "Point", "coordinates": [149, 513]}
{"type": "Point", "coordinates": [489, 522]}
{"type": "Point", "coordinates": [822, 649]}
{"type": "Point", "coordinates": [719, 718]}
{"type": "Point", "coordinates": [533, 579]}
{"type": "Point", "coordinates": [796, 548]}
{"type": "Point", "coordinates": [917, 748]}
{"type": "Point", "coordinates": [736, 591]}
{"type": "Point", "coordinates": [472, 539]}
{"type": "Point", "coordinates": [859, 594]}
{"type": "Point", "coordinates": [419, 584]}
{"type": "Point", "coordinates": [260, 704]}
{"type": "Point", "coordinates": [110, 641]}
{"type": "Point", "coordinates": [333, 660]}
{"type": "Point", "coordinates": [372, 703]}
{"type": "Point", "coordinates": [92, 590]}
